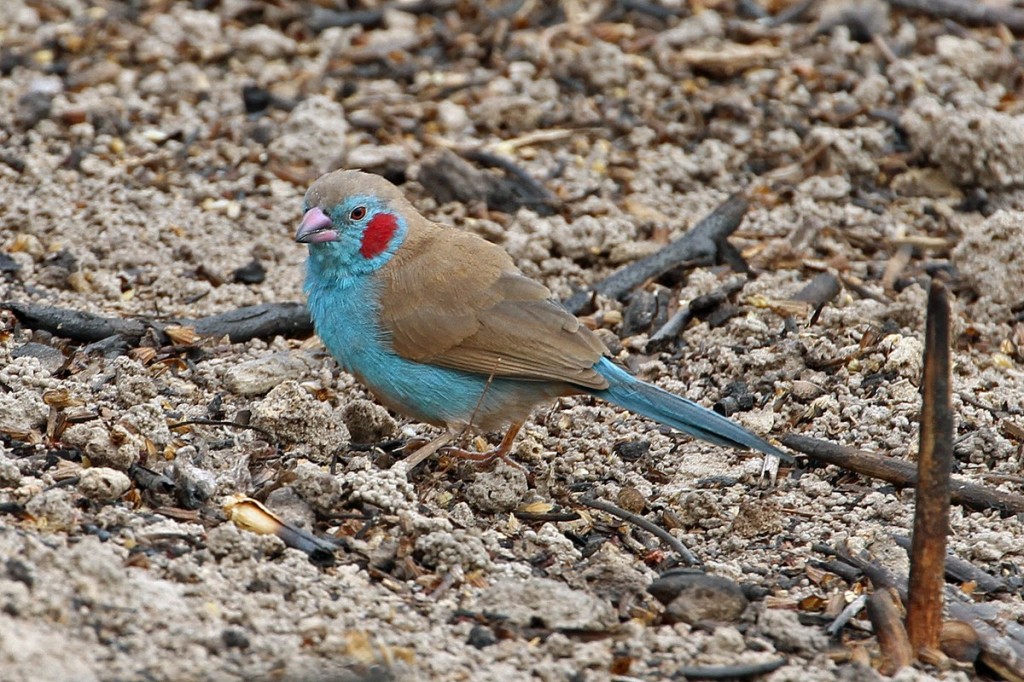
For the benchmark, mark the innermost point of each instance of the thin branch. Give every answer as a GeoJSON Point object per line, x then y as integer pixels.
{"type": "Point", "coordinates": [901, 473]}
{"type": "Point", "coordinates": [702, 245]}
{"type": "Point", "coordinates": [966, 11]}
{"type": "Point", "coordinates": [640, 521]}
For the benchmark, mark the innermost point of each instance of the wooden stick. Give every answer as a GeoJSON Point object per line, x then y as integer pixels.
{"type": "Point", "coordinates": [263, 321]}
{"type": "Point", "coordinates": [702, 245]}
{"type": "Point", "coordinates": [730, 672]}
{"type": "Point", "coordinates": [413, 460]}
{"type": "Point", "coordinates": [451, 177]}
{"type": "Point", "coordinates": [901, 473]}
{"type": "Point", "coordinates": [935, 460]}
{"type": "Point", "coordinates": [637, 520]}
{"type": "Point", "coordinates": [963, 571]}
{"type": "Point", "coordinates": [884, 610]}
{"type": "Point", "coordinates": [818, 292]}
{"type": "Point", "coordinates": [966, 11]}
{"type": "Point", "coordinates": [847, 614]}
{"type": "Point", "coordinates": [665, 337]}
{"type": "Point", "coordinates": [1002, 647]}
{"type": "Point", "coordinates": [1001, 652]}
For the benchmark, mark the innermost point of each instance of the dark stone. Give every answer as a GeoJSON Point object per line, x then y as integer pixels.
{"type": "Point", "coordinates": [253, 273]}
{"type": "Point", "coordinates": [256, 99]}
{"type": "Point", "coordinates": [481, 637]}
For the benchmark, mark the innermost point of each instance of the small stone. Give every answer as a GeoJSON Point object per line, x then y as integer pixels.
{"type": "Point", "coordinates": [10, 474]}
{"type": "Point", "coordinates": [388, 489]}
{"type": "Point", "coordinates": [258, 376]}
{"type": "Point", "coordinates": [49, 357]}
{"type": "Point", "coordinates": [235, 638]}
{"type": "Point", "coordinates": [313, 134]}
{"type": "Point", "coordinates": [193, 485]}
{"type": "Point", "coordinates": [256, 99]}
{"type": "Point", "coordinates": [377, 158]}
{"type": "Point", "coordinates": [103, 484]}
{"type": "Point", "coordinates": [447, 550]}
{"type": "Point", "coordinates": [296, 418]}
{"type": "Point", "coordinates": [546, 603]}
{"type": "Point", "coordinates": [631, 499]}
{"type": "Point", "coordinates": [499, 491]}
{"type": "Point", "coordinates": [368, 422]}
{"type": "Point", "coordinates": [973, 145]}
{"type": "Point", "coordinates": [323, 491]}
{"type": "Point", "coordinates": [252, 273]}
{"type": "Point", "coordinates": [22, 411]}
{"type": "Point", "coordinates": [789, 634]}
{"type": "Point", "coordinates": [691, 596]}
{"type": "Point", "coordinates": [806, 391]}
{"type": "Point", "coordinates": [728, 59]}
{"type": "Point", "coordinates": [53, 510]}
{"type": "Point", "coordinates": [34, 106]}
{"type": "Point", "coordinates": [481, 637]}
{"type": "Point", "coordinates": [265, 41]}
{"type": "Point", "coordinates": [904, 354]}
{"type": "Point", "coordinates": [114, 447]}
{"type": "Point", "coordinates": [632, 450]}
{"type": "Point", "coordinates": [613, 575]}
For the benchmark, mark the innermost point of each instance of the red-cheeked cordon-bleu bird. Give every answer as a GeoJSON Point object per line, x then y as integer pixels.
{"type": "Point", "coordinates": [442, 327]}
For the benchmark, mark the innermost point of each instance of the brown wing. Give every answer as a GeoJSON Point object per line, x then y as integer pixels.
{"type": "Point", "coordinates": [452, 299]}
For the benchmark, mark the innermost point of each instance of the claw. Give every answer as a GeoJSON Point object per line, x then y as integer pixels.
{"type": "Point", "coordinates": [500, 452]}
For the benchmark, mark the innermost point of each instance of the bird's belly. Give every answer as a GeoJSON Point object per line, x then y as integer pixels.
{"type": "Point", "coordinates": [429, 393]}
{"type": "Point", "coordinates": [448, 397]}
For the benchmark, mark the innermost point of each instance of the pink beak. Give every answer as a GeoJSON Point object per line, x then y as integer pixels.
{"type": "Point", "coordinates": [315, 228]}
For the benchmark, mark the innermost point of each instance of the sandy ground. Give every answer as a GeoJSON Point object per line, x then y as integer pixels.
{"type": "Point", "coordinates": [879, 146]}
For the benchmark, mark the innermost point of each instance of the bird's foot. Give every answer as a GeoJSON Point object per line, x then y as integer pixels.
{"type": "Point", "coordinates": [500, 452]}
{"type": "Point", "coordinates": [482, 457]}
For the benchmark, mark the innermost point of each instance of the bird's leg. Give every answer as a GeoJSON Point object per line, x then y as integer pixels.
{"type": "Point", "coordinates": [500, 452]}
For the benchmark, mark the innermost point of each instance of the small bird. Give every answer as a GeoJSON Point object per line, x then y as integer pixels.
{"type": "Point", "coordinates": [442, 327]}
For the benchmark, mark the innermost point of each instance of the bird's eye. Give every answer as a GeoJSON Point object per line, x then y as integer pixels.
{"type": "Point", "coordinates": [358, 213]}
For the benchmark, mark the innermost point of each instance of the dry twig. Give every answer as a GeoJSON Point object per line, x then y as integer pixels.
{"type": "Point", "coordinates": [704, 244]}
{"type": "Point", "coordinates": [901, 473]}
{"type": "Point", "coordinates": [240, 325]}
{"type": "Point", "coordinates": [637, 520]}
{"type": "Point", "coordinates": [967, 11]}
{"type": "Point", "coordinates": [885, 612]}
{"type": "Point", "coordinates": [935, 460]}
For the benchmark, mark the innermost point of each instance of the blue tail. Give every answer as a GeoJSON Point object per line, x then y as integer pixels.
{"type": "Point", "coordinates": [625, 390]}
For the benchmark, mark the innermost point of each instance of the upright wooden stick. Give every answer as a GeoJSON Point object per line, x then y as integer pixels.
{"type": "Point", "coordinates": [935, 460]}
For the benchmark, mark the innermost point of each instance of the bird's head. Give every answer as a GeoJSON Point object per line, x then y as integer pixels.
{"type": "Point", "coordinates": [353, 222]}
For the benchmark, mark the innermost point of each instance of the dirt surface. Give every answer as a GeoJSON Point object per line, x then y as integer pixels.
{"type": "Point", "coordinates": [153, 157]}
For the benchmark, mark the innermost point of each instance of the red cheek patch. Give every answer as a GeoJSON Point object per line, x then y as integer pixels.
{"type": "Point", "coordinates": [378, 234]}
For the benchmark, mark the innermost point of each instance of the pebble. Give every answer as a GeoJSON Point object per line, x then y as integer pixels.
{"type": "Point", "coordinates": [103, 484]}
{"type": "Point", "coordinates": [313, 134]}
{"type": "Point", "coordinates": [49, 357]}
{"type": "Point", "coordinates": [498, 491]}
{"type": "Point", "coordinates": [295, 417]}
{"type": "Point", "coordinates": [368, 422]}
{"type": "Point", "coordinates": [542, 602]}
{"type": "Point", "coordinates": [258, 376]}
{"type": "Point", "coordinates": [691, 597]}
